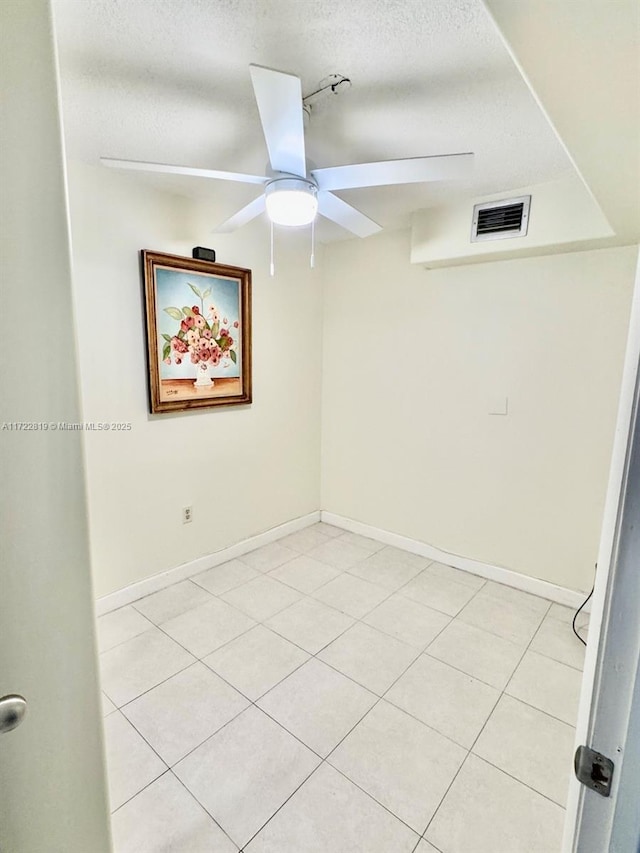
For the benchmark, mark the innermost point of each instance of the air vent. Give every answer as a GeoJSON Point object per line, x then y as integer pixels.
{"type": "Point", "coordinates": [497, 220]}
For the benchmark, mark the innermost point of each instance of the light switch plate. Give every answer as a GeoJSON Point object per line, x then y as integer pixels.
{"type": "Point", "coordinates": [498, 405]}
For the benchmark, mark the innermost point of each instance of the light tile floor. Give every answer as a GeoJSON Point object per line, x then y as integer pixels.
{"type": "Point", "coordinates": [328, 694]}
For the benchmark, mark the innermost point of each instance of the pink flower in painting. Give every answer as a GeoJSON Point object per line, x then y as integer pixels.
{"type": "Point", "coordinates": [178, 345]}
{"type": "Point", "coordinates": [204, 341]}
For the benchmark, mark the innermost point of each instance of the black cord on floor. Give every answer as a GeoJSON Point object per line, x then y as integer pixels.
{"type": "Point", "coordinates": [577, 613]}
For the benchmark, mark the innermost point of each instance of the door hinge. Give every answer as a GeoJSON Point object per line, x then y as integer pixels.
{"type": "Point", "coordinates": [594, 770]}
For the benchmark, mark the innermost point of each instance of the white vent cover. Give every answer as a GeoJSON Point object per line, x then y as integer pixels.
{"type": "Point", "coordinates": [498, 220]}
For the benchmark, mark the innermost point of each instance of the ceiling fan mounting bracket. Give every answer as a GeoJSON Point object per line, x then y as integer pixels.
{"type": "Point", "coordinates": [334, 84]}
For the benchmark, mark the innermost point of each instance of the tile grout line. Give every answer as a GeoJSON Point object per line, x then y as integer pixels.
{"type": "Point", "coordinates": [421, 652]}
{"type": "Point", "coordinates": [356, 620]}
{"type": "Point", "coordinates": [556, 660]}
{"type": "Point", "coordinates": [218, 596]}
{"type": "Point", "coordinates": [515, 778]}
{"type": "Point", "coordinates": [263, 623]}
{"type": "Point", "coordinates": [149, 689]}
{"type": "Point", "coordinates": [232, 686]}
{"type": "Point", "coordinates": [381, 697]}
{"type": "Point", "coordinates": [539, 710]}
{"type": "Point", "coordinates": [206, 811]}
{"type": "Point", "coordinates": [535, 707]}
{"type": "Point", "coordinates": [170, 768]}
{"type": "Point", "coordinates": [144, 788]}
{"type": "Point", "coordinates": [324, 759]}
{"type": "Point", "coordinates": [470, 750]}
{"type": "Point", "coordinates": [120, 642]}
{"type": "Point", "coordinates": [252, 703]}
{"type": "Point", "coordinates": [420, 840]}
{"type": "Point", "coordinates": [500, 689]}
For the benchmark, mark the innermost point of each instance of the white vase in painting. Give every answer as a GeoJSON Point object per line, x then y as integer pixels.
{"type": "Point", "coordinates": [203, 380]}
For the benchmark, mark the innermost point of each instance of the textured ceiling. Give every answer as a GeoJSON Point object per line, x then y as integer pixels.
{"type": "Point", "coordinates": [168, 81]}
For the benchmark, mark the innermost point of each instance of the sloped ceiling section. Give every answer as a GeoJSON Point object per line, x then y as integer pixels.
{"type": "Point", "coordinates": [564, 217]}
{"type": "Point", "coordinates": [582, 63]}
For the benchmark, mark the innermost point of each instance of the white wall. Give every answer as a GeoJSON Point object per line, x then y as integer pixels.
{"type": "Point", "coordinates": [412, 359]}
{"type": "Point", "coordinates": [243, 469]}
{"type": "Point", "coordinates": [53, 793]}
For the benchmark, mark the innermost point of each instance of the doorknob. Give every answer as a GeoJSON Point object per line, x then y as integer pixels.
{"type": "Point", "coordinates": [12, 710]}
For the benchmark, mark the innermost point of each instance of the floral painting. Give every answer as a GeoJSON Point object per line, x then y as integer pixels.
{"type": "Point", "coordinates": [198, 332]}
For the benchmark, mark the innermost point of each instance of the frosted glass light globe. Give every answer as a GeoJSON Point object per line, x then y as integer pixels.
{"type": "Point", "coordinates": [291, 201]}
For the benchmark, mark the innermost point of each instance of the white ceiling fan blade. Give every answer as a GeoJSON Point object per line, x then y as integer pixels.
{"type": "Point", "coordinates": [141, 166]}
{"type": "Point", "coordinates": [411, 171]}
{"type": "Point", "coordinates": [279, 98]}
{"type": "Point", "coordinates": [246, 214]}
{"type": "Point", "coordinates": [339, 211]}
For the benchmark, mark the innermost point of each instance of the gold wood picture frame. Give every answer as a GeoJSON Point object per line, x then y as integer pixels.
{"type": "Point", "coordinates": [198, 333]}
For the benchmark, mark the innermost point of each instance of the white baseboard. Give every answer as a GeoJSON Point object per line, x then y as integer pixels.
{"type": "Point", "coordinates": [117, 599]}
{"type": "Point", "coordinates": [559, 594]}
{"type": "Point", "coordinates": [543, 589]}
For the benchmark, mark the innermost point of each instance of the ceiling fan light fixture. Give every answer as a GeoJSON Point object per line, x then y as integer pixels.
{"type": "Point", "coordinates": [290, 198]}
{"type": "Point", "coordinates": [291, 201]}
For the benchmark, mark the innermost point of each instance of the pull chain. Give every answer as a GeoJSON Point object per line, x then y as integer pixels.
{"type": "Point", "coordinates": [313, 243]}
{"type": "Point", "coordinates": [272, 268]}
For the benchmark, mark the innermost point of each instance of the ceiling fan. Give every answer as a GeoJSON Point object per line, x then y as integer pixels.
{"type": "Point", "coordinates": [291, 196]}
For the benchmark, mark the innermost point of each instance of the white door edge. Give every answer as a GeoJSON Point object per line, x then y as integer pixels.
{"type": "Point", "coordinates": [615, 487]}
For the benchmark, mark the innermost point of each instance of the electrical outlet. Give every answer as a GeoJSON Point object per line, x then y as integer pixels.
{"type": "Point", "coordinates": [187, 514]}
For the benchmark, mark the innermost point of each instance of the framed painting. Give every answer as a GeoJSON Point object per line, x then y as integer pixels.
{"type": "Point", "coordinates": [198, 333]}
